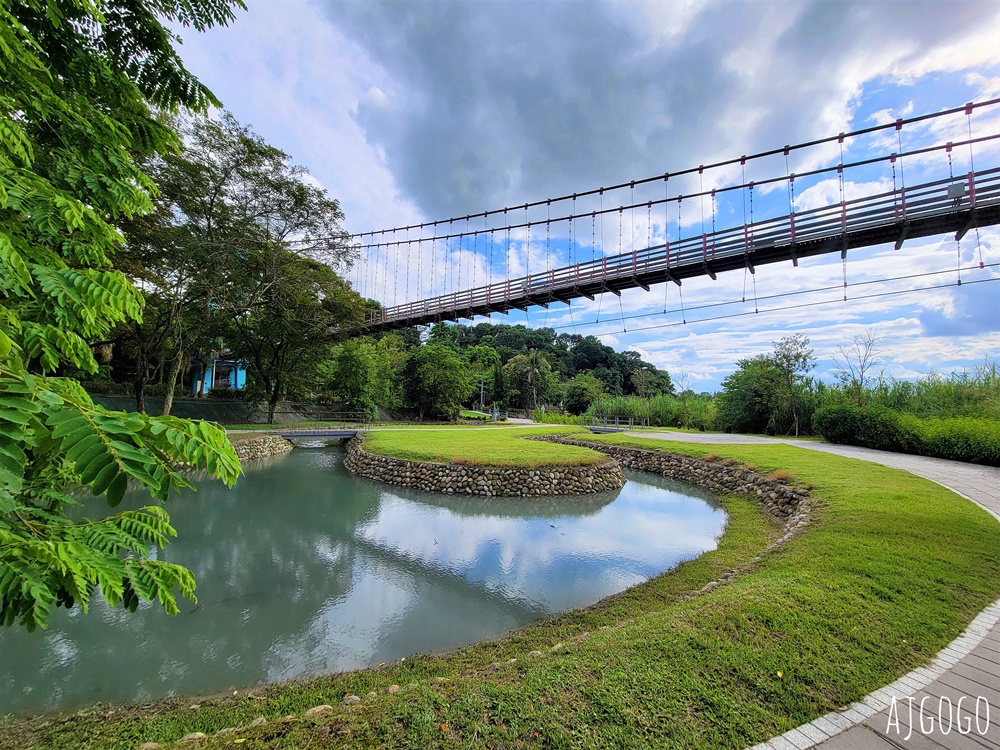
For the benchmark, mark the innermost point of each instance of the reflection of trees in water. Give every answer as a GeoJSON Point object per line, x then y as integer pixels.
{"type": "Point", "coordinates": [263, 557]}
{"type": "Point", "coordinates": [580, 506]}
{"type": "Point", "coordinates": [275, 559]}
{"type": "Point", "coordinates": [509, 507]}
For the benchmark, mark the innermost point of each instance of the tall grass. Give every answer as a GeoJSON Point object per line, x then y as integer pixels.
{"type": "Point", "coordinates": [551, 417]}
{"type": "Point", "coordinates": [968, 393]}
{"type": "Point", "coordinates": [660, 411]}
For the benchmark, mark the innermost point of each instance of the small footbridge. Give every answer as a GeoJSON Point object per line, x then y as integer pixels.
{"type": "Point", "coordinates": [328, 433]}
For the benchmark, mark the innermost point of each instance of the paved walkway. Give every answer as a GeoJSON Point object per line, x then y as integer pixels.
{"type": "Point", "coordinates": [967, 670]}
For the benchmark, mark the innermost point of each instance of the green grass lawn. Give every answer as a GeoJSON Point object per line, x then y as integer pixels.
{"type": "Point", "coordinates": [482, 448]}
{"type": "Point", "coordinates": [370, 426]}
{"type": "Point", "coordinates": [891, 570]}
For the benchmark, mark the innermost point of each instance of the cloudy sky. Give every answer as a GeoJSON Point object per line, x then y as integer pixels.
{"type": "Point", "coordinates": [419, 111]}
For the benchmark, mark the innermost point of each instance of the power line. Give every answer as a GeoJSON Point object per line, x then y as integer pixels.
{"type": "Point", "coordinates": [800, 306]}
{"type": "Point", "coordinates": [780, 295]}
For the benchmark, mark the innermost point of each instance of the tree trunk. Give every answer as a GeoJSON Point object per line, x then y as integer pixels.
{"type": "Point", "coordinates": [791, 401]}
{"type": "Point", "coordinates": [140, 393]}
{"type": "Point", "coordinates": [272, 404]}
{"type": "Point", "coordinates": [172, 373]}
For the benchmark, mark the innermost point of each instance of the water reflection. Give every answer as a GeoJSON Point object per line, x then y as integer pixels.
{"type": "Point", "coordinates": [303, 568]}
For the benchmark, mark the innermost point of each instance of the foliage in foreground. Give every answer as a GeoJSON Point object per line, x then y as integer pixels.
{"type": "Point", "coordinates": [956, 438]}
{"type": "Point", "coordinates": [79, 83]}
{"type": "Point", "coordinates": [892, 568]}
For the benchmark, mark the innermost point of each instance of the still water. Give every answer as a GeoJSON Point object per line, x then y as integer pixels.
{"type": "Point", "coordinates": [303, 568]}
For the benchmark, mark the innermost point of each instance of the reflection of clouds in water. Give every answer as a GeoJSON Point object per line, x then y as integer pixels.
{"type": "Point", "coordinates": [564, 561]}
{"type": "Point", "coordinates": [344, 633]}
{"type": "Point", "coordinates": [305, 568]}
{"type": "Point", "coordinates": [63, 650]}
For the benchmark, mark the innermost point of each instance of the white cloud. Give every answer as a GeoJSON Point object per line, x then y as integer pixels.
{"type": "Point", "coordinates": [407, 114]}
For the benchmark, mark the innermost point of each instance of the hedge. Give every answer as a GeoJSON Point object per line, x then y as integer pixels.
{"type": "Point", "coordinates": [958, 438]}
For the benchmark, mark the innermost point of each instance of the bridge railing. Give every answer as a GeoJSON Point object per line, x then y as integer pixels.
{"type": "Point", "coordinates": [939, 197]}
{"type": "Point", "coordinates": [613, 421]}
{"type": "Point", "coordinates": [333, 417]}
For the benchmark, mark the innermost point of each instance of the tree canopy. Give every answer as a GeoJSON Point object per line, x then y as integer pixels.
{"type": "Point", "coordinates": [218, 250]}
{"type": "Point", "coordinates": [80, 84]}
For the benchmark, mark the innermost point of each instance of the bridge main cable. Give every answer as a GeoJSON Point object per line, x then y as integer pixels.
{"type": "Point", "coordinates": [967, 109]}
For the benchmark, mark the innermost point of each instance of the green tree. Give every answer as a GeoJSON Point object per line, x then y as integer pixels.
{"type": "Point", "coordinates": [748, 397]}
{"type": "Point", "coordinates": [485, 363]}
{"type": "Point", "coordinates": [286, 310]}
{"type": "Point", "coordinates": [353, 376]}
{"type": "Point", "coordinates": [80, 80]}
{"type": "Point", "coordinates": [438, 381]}
{"type": "Point", "coordinates": [793, 358]}
{"type": "Point", "coordinates": [390, 357]}
{"type": "Point", "coordinates": [647, 381]}
{"type": "Point", "coordinates": [225, 197]}
{"type": "Point", "coordinates": [529, 379]}
{"type": "Point", "coordinates": [582, 391]}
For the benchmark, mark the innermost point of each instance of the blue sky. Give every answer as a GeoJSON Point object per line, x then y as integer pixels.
{"type": "Point", "coordinates": [412, 112]}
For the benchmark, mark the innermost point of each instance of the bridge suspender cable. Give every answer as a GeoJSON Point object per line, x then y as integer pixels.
{"type": "Point", "coordinates": [917, 210]}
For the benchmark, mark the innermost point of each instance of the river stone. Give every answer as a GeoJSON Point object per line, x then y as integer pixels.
{"type": "Point", "coordinates": [392, 689]}
{"type": "Point", "coordinates": [227, 730]}
{"type": "Point", "coordinates": [149, 746]}
{"type": "Point", "coordinates": [258, 722]}
{"type": "Point", "coordinates": [193, 736]}
{"type": "Point", "coordinates": [533, 654]}
{"type": "Point", "coordinates": [372, 694]}
{"type": "Point", "coordinates": [316, 710]}
{"type": "Point", "coordinates": [350, 699]}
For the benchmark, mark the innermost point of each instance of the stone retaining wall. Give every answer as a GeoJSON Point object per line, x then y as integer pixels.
{"type": "Point", "coordinates": [458, 479]}
{"type": "Point", "coordinates": [265, 445]}
{"type": "Point", "coordinates": [789, 504]}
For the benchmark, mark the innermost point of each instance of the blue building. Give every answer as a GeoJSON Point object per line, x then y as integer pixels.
{"type": "Point", "coordinates": [220, 372]}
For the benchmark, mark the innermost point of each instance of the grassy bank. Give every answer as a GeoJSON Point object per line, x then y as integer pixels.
{"type": "Point", "coordinates": [892, 568]}
{"type": "Point", "coordinates": [319, 425]}
{"type": "Point", "coordinates": [480, 447]}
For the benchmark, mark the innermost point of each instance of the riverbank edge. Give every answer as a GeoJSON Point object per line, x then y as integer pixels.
{"type": "Point", "coordinates": [790, 504]}
{"type": "Point", "coordinates": [486, 481]}
{"type": "Point", "coordinates": [261, 447]}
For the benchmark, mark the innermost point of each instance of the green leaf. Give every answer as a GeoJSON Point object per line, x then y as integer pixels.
{"type": "Point", "coordinates": [116, 490]}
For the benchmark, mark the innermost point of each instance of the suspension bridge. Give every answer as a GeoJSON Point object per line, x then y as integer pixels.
{"type": "Point", "coordinates": [941, 190]}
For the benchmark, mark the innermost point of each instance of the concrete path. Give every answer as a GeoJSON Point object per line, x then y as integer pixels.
{"type": "Point", "coordinates": [961, 685]}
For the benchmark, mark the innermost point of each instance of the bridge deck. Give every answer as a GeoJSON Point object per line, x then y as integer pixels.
{"type": "Point", "coordinates": [952, 205]}
{"type": "Point", "coordinates": [327, 434]}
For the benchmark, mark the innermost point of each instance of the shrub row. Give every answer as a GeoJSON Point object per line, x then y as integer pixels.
{"type": "Point", "coordinates": [471, 416]}
{"type": "Point", "coordinates": [958, 438]}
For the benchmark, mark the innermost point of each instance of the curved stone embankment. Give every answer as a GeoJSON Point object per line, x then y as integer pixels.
{"type": "Point", "coordinates": [459, 479]}
{"type": "Point", "coordinates": [790, 504]}
{"type": "Point", "coordinates": [261, 447]}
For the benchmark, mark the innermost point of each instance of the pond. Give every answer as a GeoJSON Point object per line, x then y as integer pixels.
{"type": "Point", "coordinates": [303, 568]}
